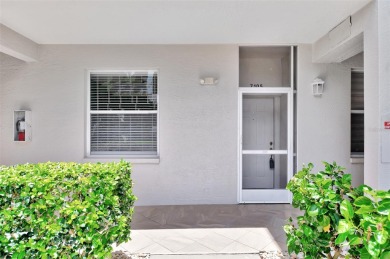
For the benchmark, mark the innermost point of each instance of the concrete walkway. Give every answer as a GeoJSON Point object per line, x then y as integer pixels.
{"type": "Point", "coordinates": [208, 231]}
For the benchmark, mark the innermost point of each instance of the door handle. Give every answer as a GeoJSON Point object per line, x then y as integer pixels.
{"type": "Point", "coordinates": [271, 163]}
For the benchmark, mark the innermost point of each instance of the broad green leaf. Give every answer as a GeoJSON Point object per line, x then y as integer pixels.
{"type": "Point", "coordinates": [384, 207]}
{"type": "Point", "coordinates": [366, 188]}
{"type": "Point", "coordinates": [332, 206]}
{"type": "Point", "coordinates": [326, 183]}
{"type": "Point", "coordinates": [324, 221]}
{"type": "Point", "coordinates": [381, 236]}
{"type": "Point", "coordinates": [331, 196]}
{"type": "Point", "coordinates": [365, 209]}
{"type": "Point", "coordinates": [22, 255]}
{"type": "Point", "coordinates": [287, 228]}
{"type": "Point", "coordinates": [341, 238]}
{"type": "Point", "coordinates": [347, 178]}
{"type": "Point", "coordinates": [385, 255]}
{"type": "Point", "coordinates": [343, 226]}
{"type": "Point", "coordinates": [373, 248]}
{"type": "Point", "coordinates": [383, 194]}
{"type": "Point", "coordinates": [313, 211]}
{"type": "Point", "coordinates": [307, 231]}
{"type": "Point", "coordinates": [364, 254]}
{"type": "Point", "coordinates": [362, 201]}
{"type": "Point", "coordinates": [346, 209]}
{"type": "Point", "coordinates": [355, 241]}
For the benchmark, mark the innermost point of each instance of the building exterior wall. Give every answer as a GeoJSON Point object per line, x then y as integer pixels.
{"type": "Point", "coordinates": [377, 95]}
{"type": "Point", "coordinates": [371, 98]}
{"type": "Point", "coordinates": [17, 45]}
{"type": "Point", "coordinates": [323, 132]}
{"type": "Point", "coordinates": [198, 124]}
{"type": "Point", "coordinates": [370, 26]}
{"type": "Point", "coordinates": [384, 85]}
{"type": "Point", "coordinates": [326, 50]}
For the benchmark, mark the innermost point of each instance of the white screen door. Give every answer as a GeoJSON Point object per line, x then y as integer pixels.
{"type": "Point", "coordinates": [265, 144]}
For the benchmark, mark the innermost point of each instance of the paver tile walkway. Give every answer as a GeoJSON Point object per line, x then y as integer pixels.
{"type": "Point", "coordinates": [209, 230]}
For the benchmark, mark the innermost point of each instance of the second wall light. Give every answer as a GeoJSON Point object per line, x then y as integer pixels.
{"type": "Point", "coordinates": [208, 81]}
{"type": "Point", "coordinates": [318, 86]}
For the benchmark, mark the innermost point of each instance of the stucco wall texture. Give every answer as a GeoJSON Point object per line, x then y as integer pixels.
{"type": "Point", "coordinates": [197, 124]}
{"type": "Point", "coordinates": [323, 123]}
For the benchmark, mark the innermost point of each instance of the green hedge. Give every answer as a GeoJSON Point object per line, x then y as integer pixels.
{"type": "Point", "coordinates": [65, 210]}
{"type": "Point", "coordinates": [338, 220]}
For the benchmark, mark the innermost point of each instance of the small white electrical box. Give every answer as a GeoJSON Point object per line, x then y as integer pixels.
{"type": "Point", "coordinates": [22, 126]}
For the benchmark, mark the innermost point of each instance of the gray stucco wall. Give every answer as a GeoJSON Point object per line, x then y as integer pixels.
{"type": "Point", "coordinates": [377, 94]}
{"type": "Point", "coordinates": [324, 122]}
{"type": "Point", "coordinates": [198, 124]}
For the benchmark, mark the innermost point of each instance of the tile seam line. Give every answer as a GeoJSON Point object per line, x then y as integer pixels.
{"type": "Point", "coordinates": [232, 241]}
{"type": "Point", "coordinates": [150, 220]}
{"type": "Point", "coordinates": [260, 250]}
{"type": "Point", "coordinates": [196, 253]}
{"type": "Point", "coordinates": [156, 242]}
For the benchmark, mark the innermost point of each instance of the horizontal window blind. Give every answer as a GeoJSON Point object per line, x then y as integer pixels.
{"type": "Point", "coordinates": [357, 113]}
{"type": "Point", "coordinates": [135, 133]}
{"type": "Point", "coordinates": [123, 113]}
{"type": "Point", "coordinates": [357, 133]}
{"type": "Point", "coordinates": [357, 91]}
{"type": "Point", "coordinates": [124, 91]}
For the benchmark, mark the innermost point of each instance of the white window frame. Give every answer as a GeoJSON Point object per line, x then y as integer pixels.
{"type": "Point", "coordinates": [139, 158]}
{"type": "Point", "coordinates": [355, 159]}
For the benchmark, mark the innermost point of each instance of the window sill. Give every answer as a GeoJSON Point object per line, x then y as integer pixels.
{"type": "Point", "coordinates": [356, 160]}
{"type": "Point", "coordinates": [133, 160]}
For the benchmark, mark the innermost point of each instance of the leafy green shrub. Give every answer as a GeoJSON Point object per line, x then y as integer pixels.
{"type": "Point", "coordinates": [65, 210]}
{"type": "Point", "coordinates": [337, 216]}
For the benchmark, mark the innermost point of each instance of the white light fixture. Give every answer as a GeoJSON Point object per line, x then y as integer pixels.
{"type": "Point", "coordinates": [318, 86]}
{"type": "Point", "coordinates": [208, 81]}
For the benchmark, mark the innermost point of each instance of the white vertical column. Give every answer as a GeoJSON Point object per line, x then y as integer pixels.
{"type": "Point", "coordinates": [384, 90]}
{"type": "Point", "coordinates": [290, 131]}
{"type": "Point", "coordinates": [371, 98]}
{"type": "Point", "coordinates": [376, 94]}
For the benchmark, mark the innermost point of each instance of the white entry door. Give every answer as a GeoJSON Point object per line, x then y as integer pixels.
{"type": "Point", "coordinates": [258, 134]}
{"type": "Point", "coordinates": [265, 145]}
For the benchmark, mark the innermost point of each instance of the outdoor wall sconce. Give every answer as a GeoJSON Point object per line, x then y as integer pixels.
{"type": "Point", "coordinates": [208, 81]}
{"type": "Point", "coordinates": [318, 86]}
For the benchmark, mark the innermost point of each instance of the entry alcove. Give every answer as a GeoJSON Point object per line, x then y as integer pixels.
{"type": "Point", "coordinates": [265, 66]}
{"type": "Point", "coordinates": [267, 80]}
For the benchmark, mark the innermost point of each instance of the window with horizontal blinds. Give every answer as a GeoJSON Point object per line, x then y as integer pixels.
{"type": "Point", "coordinates": [123, 113]}
{"type": "Point", "coordinates": [130, 91]}
{"type": "Point", "coordinates": [357, 133]}
{"type": "Point", "coordinates": [357, 113]}
{"type": "Point", "coordinates": [135, 133]}
{"type": "Point", "coordinates": [357, 91]}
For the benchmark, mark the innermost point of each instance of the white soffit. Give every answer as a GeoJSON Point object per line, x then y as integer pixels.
{"type": "Point", "coordinates": [175, 22]}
